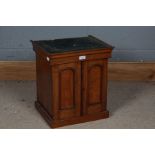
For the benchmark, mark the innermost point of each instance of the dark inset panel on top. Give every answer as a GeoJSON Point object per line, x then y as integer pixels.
{"type": "Point", "coordinates": [72, 44]}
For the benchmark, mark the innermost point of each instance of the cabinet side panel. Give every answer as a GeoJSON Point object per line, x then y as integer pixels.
{"type": "Point", "coordinates": [43, 80]}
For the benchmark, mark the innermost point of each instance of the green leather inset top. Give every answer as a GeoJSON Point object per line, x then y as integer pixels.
{"type": "Point", "coordinates": [72, 44]}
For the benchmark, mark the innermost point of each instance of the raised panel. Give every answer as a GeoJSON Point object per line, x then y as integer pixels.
{"type": "Point", "coordinates": [67, 87]}
{"type": "Point", "coordinates": [94, 84]}
{"type": "Point", "coordinates": [67, 90]}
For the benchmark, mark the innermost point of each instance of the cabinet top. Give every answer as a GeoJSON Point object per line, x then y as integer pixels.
{"type": "Point", "coordinates": [72, 44]}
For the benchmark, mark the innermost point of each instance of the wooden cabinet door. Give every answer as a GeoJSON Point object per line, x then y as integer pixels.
{"type": "Point", "coordinates": [66, 81]}
{"type": "Point", "coordinates": [94, 86]}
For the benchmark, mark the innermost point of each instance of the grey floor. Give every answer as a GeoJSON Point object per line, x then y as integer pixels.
{"type": "Point", "coordinates": [131, 105]}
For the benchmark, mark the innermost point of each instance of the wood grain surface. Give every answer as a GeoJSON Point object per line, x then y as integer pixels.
{"type": "Point", "coordinates": [130, 71]}
{"type": "Point", "coordinates": [17, 70]}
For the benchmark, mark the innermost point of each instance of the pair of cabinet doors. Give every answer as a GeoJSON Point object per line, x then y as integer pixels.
{"type": "Point", "coordinates": [79, 88]}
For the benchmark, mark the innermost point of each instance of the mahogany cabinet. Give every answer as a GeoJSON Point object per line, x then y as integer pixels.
{"type": "Point", "coordinates": [72, 79]}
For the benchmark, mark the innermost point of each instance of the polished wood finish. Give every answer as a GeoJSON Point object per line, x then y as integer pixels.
{"type": "Point", "coordinates": [74, 120]}
{"type": "Point", "coordinates": [43, 73]}
{"type": "Point", "coordinates": [94, 86]}
{"type": "Point", "coordinates": [66, 86]}
{"type": "Point", "coordinates": [70, 90]}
